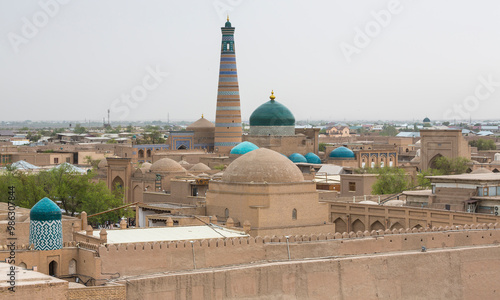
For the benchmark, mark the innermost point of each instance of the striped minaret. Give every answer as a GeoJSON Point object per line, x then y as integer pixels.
{"type": "Point", "coordinates": [228, 115]}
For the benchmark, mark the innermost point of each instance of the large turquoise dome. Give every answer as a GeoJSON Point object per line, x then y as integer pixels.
{"type": "Point", "coordinates": [243, 148]}
{"type": "Point", "coordinates": [342, 152]}
{"type": "Point", "coordinates": [272, 113]}
{"type": "Point", "coordinates": [312, 158]}
{"type": "Point", "coordinates": [297, 158]}
{"type": "Point", "coordinates": [45, 210]}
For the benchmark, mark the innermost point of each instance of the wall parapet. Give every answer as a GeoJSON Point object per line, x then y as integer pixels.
{"type": "Point", "coordinates": [157, 256]}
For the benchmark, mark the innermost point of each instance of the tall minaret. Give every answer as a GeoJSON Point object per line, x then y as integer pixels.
{"type": "Point", "coordinates": [228, 115]}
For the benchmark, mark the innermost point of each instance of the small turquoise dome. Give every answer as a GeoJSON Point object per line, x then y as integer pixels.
{"type": "Point", "coordinates": [342, 152]}
{"type": "Point", "coordinates": [243, 148]}
{"type": "Point", "coordinates": [272, 113]}
{"type": "Point", "coordinates": [297, 158]}
{"type": "Point", "coordinates": [45, 210]}
{"type": "Point", "coordinates": [312, 158]}
{"type": "Point", "coordinates": [427, 120]}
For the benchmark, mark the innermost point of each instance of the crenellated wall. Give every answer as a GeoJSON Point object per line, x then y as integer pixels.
{"type": "Point", "coordinates": [136, 259]}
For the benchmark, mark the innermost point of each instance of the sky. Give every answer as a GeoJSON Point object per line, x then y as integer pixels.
{"type": "Point", "coordinates": [325, 60]}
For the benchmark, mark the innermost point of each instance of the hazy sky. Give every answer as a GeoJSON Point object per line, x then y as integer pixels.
{"type": "Point", "coordinates": [333, 60]}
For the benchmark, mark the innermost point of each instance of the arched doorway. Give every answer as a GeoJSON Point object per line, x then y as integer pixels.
{"type": "Point", "coordinates": [53, 268]}
{"type": "Point", "coordinates": [141, 153]}
{"type": "Point", "coordinates": [148, 153]}
{"type": "Point", "coordinates": [117, 183]}
{"type": "Point", "coordinates": [182, 147]}
{"type": "Point", "coordinates": [432, 162]}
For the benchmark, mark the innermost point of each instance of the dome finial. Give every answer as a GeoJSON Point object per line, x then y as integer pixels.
{"type": "Point", "coordinates": [228, 17]}
{"type": "Point", "coordinates": [202, 116]}
{"type": "Point", "coordinates": [272, 97]}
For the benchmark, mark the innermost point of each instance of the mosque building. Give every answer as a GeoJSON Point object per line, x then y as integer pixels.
{"type": "Point", "coordinates": [272, 126]}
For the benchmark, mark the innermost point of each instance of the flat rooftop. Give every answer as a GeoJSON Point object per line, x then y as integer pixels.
{"type": "Point", "coordinates": [156, 234]}
{"type": "Point", "coordinates": [469, 176]}
{"type": "Point", "coordinates": [27, 277]}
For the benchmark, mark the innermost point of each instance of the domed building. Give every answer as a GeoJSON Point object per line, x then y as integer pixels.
{"type": "Point", "coordinates": [154, 178]}
{"type": "Point", "coordinates": [342, 153]}
{"type": "Point", "coordinates": [268, 190]}
{"type": "Point", "coordinates": [297, 158]}
{"type": "Point", "coordinates": [272, 118]}
{"type": "Point", "coordinates": [198, 135]}
{"type": "Point", "coordinates": [272, 126]}
{"type": "Point", "coordinates": [204, 131]}
{"type": "Point", "coordinates": [243, 148]}
{"type": "Point", "coordinates": [46, 226]}
{"type": "Point", "coordinates": [312, 158]}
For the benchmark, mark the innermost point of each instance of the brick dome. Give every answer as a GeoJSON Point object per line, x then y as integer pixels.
{"type": "Point", "coordinates": [262, 165]}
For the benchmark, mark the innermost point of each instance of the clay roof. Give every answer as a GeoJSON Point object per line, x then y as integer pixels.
{"type": "Point", "coordinates": [481, 171]}
{"type": "Point", "coordinates": [166, 165]}
{"type": "Point", "coordinates": [200, 167]}
{"type": "Point", "coordinates": [262, 165]}
{"type": "Point", "coordinates": [103, 163]}
{"type": "Point", "coordinates": [201, 123]}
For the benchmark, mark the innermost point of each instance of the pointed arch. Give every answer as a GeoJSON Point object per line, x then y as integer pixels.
{"type": "Point", "coordinates": [432, 162]}
{"type": "Point", "coordinates": [141, 153]}
{"type": "Point", "coordinates": [72, 267]}
{"type": "Point", "coordinates": [397, 226]}
{"type": "Point", "coordinates": [377, 226]}
{"type": "Point", "coordinates": [182, 147]}
{"type": "Point", "coordinates": [495, 170]}
{"type": "Point", "coordinates": [418, 226]}
{"type": "Point", "coordinates": [148, 153]}
{"type": "Point", "coordinates": [340, 225]}
{"type": "Point", "coordinates": [117, 183]}
{"type": "Point", "coordinates": [357, 225]}
{"type": "Point", "coordinates": [53, 268]}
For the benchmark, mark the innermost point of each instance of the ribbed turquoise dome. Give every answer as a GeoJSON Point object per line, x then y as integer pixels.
{"type": "Point", "coordinates": [312, 158]}
{"type": "Point", "coordinates": [272, 113]}
{"type": "Point", "coordinates": [342, 152]}
{"type": "Point", "coordinates": [243, 148]}
{"type": "Point", "coordinates": [297, 158]}
{"type": "Point", "coordinates": [45, 210]}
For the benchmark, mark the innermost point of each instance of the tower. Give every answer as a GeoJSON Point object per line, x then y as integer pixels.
{"type": "Point", "coordinates": [228, 114]}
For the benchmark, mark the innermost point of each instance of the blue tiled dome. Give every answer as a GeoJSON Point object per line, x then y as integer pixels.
{"type": "Point", "coordinates": [342, 152]}
{"type": "Point", "coordinates": [45, 210]}
{"type": "Point", "coordinates": [312, 158]}
{"type": "Point", "coordinates": [243, 148]}
{"type": "Point", "coordinates": [297, 158]}
{"type": "Point", "coordinates": [46, 226]}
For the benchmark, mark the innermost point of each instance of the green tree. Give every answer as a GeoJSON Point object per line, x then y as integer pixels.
{"type": "Point", "coordinates": [322, 147]}
{"type": "Point", "coordinates": [450, 166]}
{"type": "Point", "coordinates": [79, 129]}
{"type": "Point", "coordinates": [71, 191]}
{"type": "Point", "coordinates": [483, 144]}
{"type": "Point", "coordinates": [129, 128]}
{"type": "Point", "coordinates": [446, 123]}
{"type": "Point", "coordinates": [390, 181]}
{"type": "Point", "coordinates": [389, 130]}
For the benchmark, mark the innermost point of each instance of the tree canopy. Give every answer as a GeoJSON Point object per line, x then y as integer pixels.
{"type": "Point", "coordinates": [390, 181]}
{"type": "Point", "coordinates": [73, 192]}
{"type": "Point", "coordinates": [483, 144]}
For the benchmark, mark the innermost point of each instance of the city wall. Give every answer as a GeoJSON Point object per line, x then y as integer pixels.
{"type": "Point", "coordinates": [466, 273]}
{"type": "Point", "coordinates": [136, 259]}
